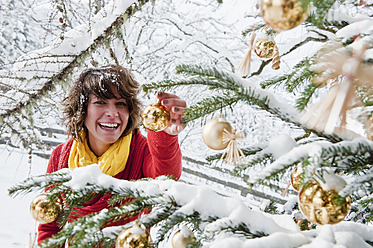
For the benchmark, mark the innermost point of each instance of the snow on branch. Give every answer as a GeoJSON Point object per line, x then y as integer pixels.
{"type": "Point", "coordinates": [219, 217]}
{"type": "Point", "coordinates": [316, 152]}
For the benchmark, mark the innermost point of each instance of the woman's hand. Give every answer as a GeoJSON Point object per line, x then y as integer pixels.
{"type": "Point", "coordinates": [176, 107]}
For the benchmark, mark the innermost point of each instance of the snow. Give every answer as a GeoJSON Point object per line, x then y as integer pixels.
{"type": "Point", "coordinates": [311, 150]}
{"type": "Point", "coordinates": [329, 181]}
{"type": "Point", "coordinates": [281, 145]}
{"type": "Point", "coordinates": [185, 231]}
{"type": "Point", "coordinates": [229, 211]}
{"type": "Point", "coordinates": [17, 223]}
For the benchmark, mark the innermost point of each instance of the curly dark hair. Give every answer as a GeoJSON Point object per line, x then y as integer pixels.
{"type": "Point", "coordinates": [97, 81]}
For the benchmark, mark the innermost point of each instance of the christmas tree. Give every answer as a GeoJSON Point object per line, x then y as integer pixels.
{"type": "Point", "coordinates": [327, 157]}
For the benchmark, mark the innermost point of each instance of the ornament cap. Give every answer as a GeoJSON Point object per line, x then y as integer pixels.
{"type": "Point", "coordinates": [221, 118]}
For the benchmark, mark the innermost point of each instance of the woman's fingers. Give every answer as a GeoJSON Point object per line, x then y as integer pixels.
{"type": "Point", "coordinates": [176, 106]}
{"type": "Point", "coordinates": [169, 100]}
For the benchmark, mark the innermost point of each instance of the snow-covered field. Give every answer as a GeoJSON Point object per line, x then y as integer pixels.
{"type": "Point", "coordinates": [16, 222]}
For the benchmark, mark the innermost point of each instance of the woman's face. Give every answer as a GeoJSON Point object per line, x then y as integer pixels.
{"type": "Point", "coordinates": [106, 120]}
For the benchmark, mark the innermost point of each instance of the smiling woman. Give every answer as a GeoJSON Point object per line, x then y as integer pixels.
{"type": "Point", "coordinates": [106, 121]}
{"type": "Point", "coordinates": [102, 115]}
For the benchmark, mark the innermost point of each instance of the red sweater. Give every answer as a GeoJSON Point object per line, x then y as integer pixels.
{"type": "Point", "coordinates": [158, 154]}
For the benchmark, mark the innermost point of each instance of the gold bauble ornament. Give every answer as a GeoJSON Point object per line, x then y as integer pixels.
{"type": "Point", "coordinates": [43, 210]}
{"type": "Point", "coordinates": [156, 117]}
{"type": "Point", "coordinates": [283, 15]}
{"type": "Point", "coordinates": [134, 237]}
{"type": "Point", "coordinates": [182, 239]}
{"type": "Point", "coordinates": [212, 133]}
{"type": "Point", "coordinates": [322, 206]}
{"type": "Point", "coordinates": [264, 48]}
{"type": "Point", "coordinates": [295, 179]}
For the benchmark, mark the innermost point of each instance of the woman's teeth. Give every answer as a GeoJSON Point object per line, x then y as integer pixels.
{"type": "Point", "coordinates": [109, 125]}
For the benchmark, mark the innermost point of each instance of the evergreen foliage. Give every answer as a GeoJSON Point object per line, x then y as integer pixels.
{"type": "Point", "coordinates": [314, 151]}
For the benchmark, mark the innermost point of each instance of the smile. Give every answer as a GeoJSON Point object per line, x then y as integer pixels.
{"type": "Point", "coordinates": [109, 125]}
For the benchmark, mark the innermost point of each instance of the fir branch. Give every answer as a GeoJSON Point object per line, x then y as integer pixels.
{"type": "Point", "coordinates": [299, 77]}
{"type": "Point", "coordinates": [361, 211]}
{"type": "Point", "coordinates": [354, 164]}
{"type": "Point", "coordinates": [306, 96]}
{"type": "Point", "coordinates": [217, 79]}
{"type": "Point", "coordinates": [159, 213]}
{"type": "Point", "coordinates": [272, 208]}
{"type": "Point", "coordinates": [368, 209]}
{"type": "Point", "coordinates": [40, 182]}
{"type": "Point", "coordinates": [176, 219]}
{"type": "Point", "coordinates": [246, 151]}
{"type": "Point", "coordinates": [357, 184]}
{"type": "Point", "coordinates": [89, 231]}
{"type": "Point", "coordinates": [171, 84]}
{"type": "Point", "coordinates": [208, 76]}
{"type": "Point", "coordinates": [209, 105]}
{"type": "Point", "coordinates": [294, 78]}
{"type": "Point", "coordinates": [331, 26]}
{"type": "Point", "coordinates": [229, 225]}
{"type": "Point", "coordinates": [208, 73]}
{"type": "Point", "coordinates": [322, 8]}
{"type": "Point", "coordinates": [263, 157]}
{"type": "Point", "coordinates": [242, 230]}
{"type": "Point", "coordinates": [362, 149]}
{"type": "Point", "coordinates": [319, 154]}
{"type": "Point", "coordinates": [165, 85]}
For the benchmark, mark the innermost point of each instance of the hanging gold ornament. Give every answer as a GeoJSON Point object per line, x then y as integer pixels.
{"type": "Point", "coordinates": [264, 48]}
{"type": "Point", "coordinates": [134, 237]}
{"type": "Point", "coordinates": [212, 133]}
{"type": "Point", "coordinates": [182, 238]}
{"type": "Point", "coordinates": [43, 210]}
{"type": "Point", "coordinates": [156, 117]}
{"type": "Point", "coordinates": [296, 178]}
{"type": "Point", "coordinates": [322, 206]}
{"type": "Point", "coordinates": [218, 134]}
{"type": "Point", "coordinates": [283, 15]}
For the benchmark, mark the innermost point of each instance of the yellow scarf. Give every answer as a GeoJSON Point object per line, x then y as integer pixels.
{"type": "Point", "coordinates": [112, 162]}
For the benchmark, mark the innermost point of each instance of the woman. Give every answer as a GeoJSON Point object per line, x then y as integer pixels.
{"type": "Point", "coordinates": [102, 113]}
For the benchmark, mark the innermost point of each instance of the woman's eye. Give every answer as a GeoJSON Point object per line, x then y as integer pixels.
{"type": "Point", "coordinates": [99, 102]}
{"type": "Point", "coordinates": [122, 104]}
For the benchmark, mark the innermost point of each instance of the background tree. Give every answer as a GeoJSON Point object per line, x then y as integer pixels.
{"type": "Point", "coordinates": [316, 59]}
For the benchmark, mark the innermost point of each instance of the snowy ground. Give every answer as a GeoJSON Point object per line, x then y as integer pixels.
{"type": "Point", "coordinates": [16, 222]}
